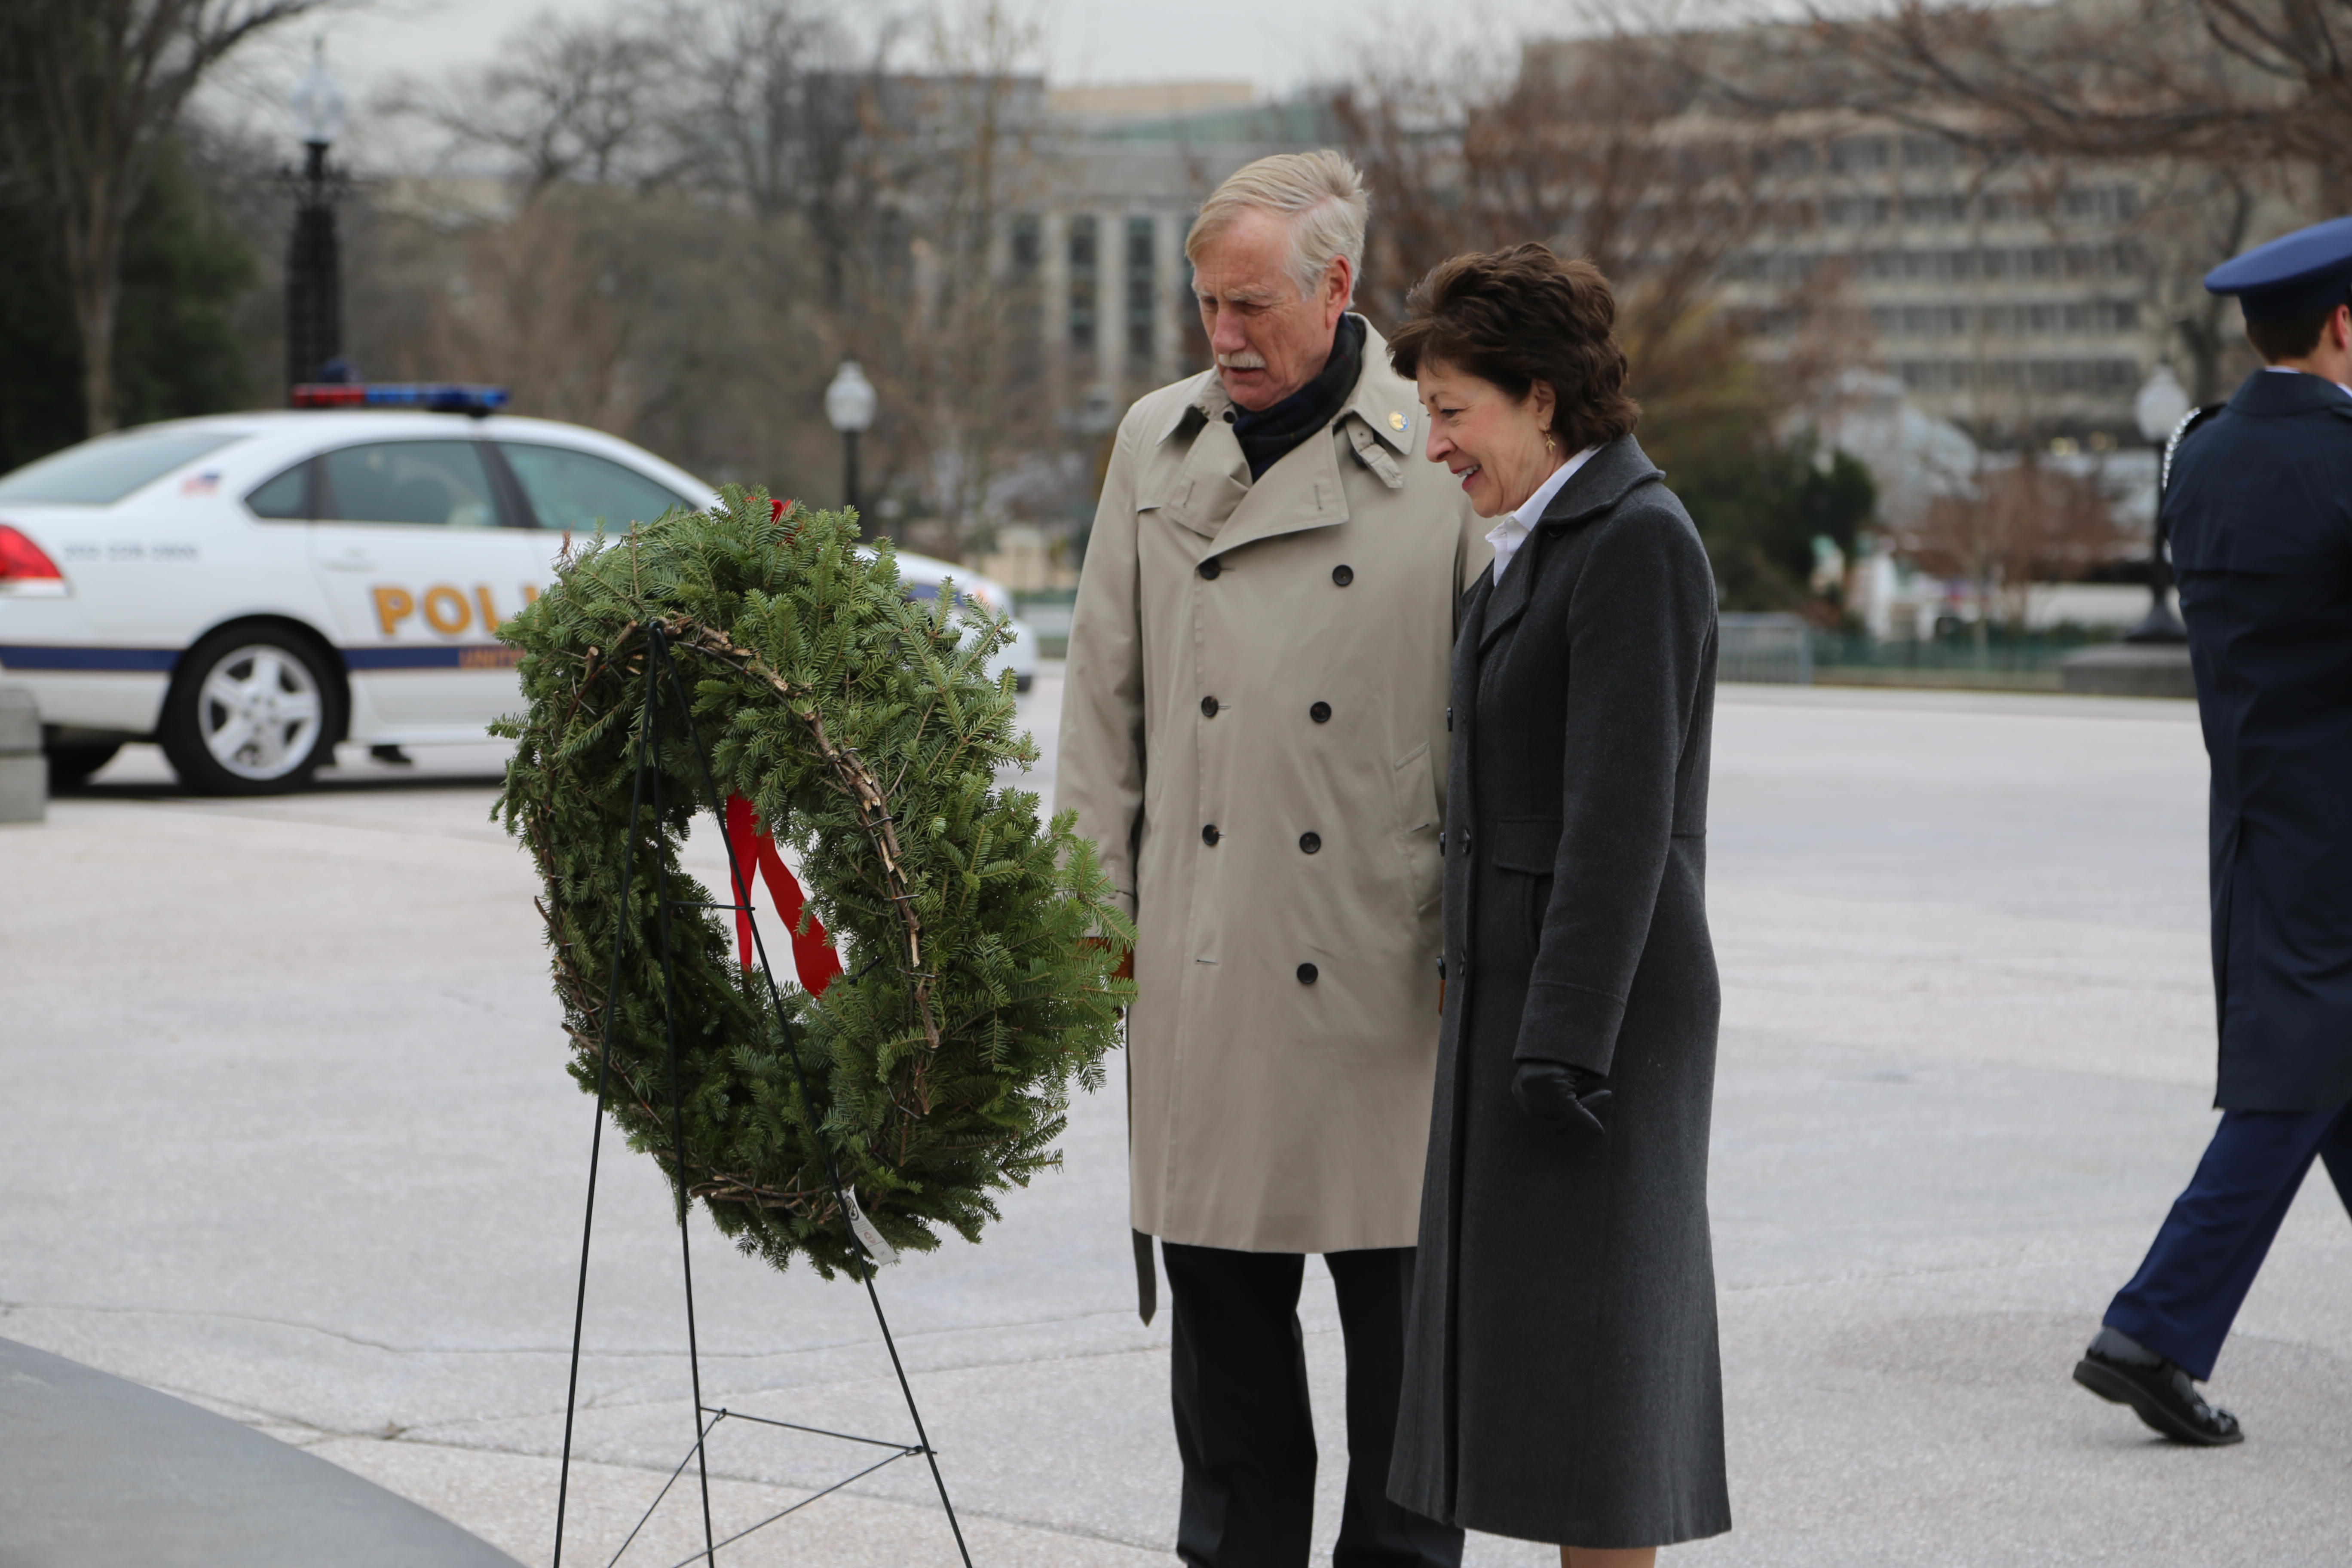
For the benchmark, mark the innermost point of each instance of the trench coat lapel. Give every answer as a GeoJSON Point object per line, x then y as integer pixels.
{"type": "Point", "coordinates": [1212, 479]}
{"type": "Point", "coordinates": [1210, 491]}
{"type": "Point", "coordinates": [1378, 418]}
{"type": "Point", "coordinates": [1301, 491]}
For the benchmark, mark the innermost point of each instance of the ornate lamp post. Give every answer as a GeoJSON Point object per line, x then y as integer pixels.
{"type": "Point", "coordinates": [2161, 405]}
{"type": "Point", "coordinates": [314, 304]}
{"type": "Point", "coordinates": [849, 404]}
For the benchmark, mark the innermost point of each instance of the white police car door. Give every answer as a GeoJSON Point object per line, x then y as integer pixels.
{"type": "Point", "coordinates": [410, 548]}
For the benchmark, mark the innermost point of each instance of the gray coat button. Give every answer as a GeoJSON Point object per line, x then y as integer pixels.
{"type": "Point", "coordinates": [1208, 707]}
{"type": "Point", "coordinates": [1310, 842]}
{"type": "Point", "coordinates": [1306, 973]}
{"type": "Point", "coordinates": [1210, 568]}
{"type": "Point", "coordinates": [1343, 575]}
{"type": "Point", "coordinates": [1208, 835]}
{"type": "Point", "coordinates": [1321, 712]}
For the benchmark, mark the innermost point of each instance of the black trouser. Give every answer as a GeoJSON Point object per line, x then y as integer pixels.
{"type": "Point", "coordinates": [2186, 1294]}
{"type": "Point", "coordinates": [1246, 1432]}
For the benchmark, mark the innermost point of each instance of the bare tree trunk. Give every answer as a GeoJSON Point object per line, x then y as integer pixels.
{"type": "Point", "coordinates": [94, 273]}
{"type": "Point", "coordinates": [981, 52]}
{"type": "Point", "coordinates": [2200, 329]}
{"type": "Point", "coordinates": [109, 78]}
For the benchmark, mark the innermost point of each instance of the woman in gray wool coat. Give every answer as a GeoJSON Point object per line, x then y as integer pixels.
{"type": "Point", "coordinates": [1561, 1380]}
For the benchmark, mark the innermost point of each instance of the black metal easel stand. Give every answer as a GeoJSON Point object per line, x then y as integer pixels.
{"type": "Point", "coordinates": [660, 671]}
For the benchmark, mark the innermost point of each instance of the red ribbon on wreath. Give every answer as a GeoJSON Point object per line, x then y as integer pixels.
{"type": "Point", "coordinates": [814, 957]}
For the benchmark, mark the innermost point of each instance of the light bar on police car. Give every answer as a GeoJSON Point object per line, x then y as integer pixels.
{"type": "Point", "coordinates": [433, 396]}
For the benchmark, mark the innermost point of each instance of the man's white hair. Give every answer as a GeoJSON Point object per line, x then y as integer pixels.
{"type": "Point", "coordinates": [1322, 196]}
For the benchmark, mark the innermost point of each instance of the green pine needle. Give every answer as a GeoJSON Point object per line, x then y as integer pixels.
{"type": "Point", "coordinates": [814, 681]}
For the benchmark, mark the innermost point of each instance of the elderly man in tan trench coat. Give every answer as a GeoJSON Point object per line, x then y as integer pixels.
{"type": "Point", "coordinates": [1253, 733]}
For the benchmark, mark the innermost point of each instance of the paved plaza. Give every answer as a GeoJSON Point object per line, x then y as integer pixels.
{"type": "Point", "coordinates": [288, 1135]}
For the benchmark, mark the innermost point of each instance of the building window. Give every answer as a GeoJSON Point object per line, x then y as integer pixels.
{"type": "Point", "coordinates": [1142, 289]}
{"type": "Point", "coordinates": [1926, 152]}
{"type": "Point", "coordinates": [1859, 154]}
{"type": "Point", "coordinates": [1085, 281]}
{"type": "Point", "coordinates": [1025, 245]}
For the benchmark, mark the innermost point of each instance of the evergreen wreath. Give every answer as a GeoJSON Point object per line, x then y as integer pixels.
{"type": "Point", "coordinates": [861, 726]}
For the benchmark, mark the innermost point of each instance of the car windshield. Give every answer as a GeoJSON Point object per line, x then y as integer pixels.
{"type": "Point", "coordinates": [101, 472]}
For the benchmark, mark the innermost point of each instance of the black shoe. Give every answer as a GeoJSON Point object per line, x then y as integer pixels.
{"type": "Point", "coordinates": [2119, 1368]}
{"type": "Point", "coordinates": [392, 755]}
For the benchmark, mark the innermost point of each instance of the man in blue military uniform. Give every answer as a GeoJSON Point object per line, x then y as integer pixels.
{"type": "Point", "coordinates": [2259, 508]}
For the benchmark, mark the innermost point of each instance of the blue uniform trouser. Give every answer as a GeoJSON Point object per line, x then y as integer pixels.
{"type": "Point", "coordinates": [2181, 1303]}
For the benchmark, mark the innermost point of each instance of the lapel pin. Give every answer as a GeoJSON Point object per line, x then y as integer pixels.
{"type": "Point", "coordinates": [1396, 421]}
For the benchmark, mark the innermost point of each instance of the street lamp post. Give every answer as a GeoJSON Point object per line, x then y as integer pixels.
{"type": "Point", "coordinates": [314, 305]}
{"type": "Point", "coordinates": [2161, 405]}
{"type": "Point", "coordinates": [849, 404]}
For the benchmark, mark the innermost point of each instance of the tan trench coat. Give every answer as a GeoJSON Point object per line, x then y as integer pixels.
{"type": "Point", "coordinates": [1254, 734]}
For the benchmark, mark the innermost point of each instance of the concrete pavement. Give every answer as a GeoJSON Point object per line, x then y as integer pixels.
{"type": "Point", "coordinates": [289, 1137]}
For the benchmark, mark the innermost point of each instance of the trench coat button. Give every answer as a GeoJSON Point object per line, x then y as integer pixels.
{"type": "Point", "coordinates": [1321, 712]}
{"type": "Point", "coordinates": [1309, 842]}
{"type": "Point", "coordinates": [1343, 575]}
{"type": "Point", "coordinates": [1210, 568]}
{"type": "Point", "coordinates": [1208, 707]}
{"type": "Point", "coordinates": [1306, 973]}
{"type": "Point", "coordinates": [1208, 835]}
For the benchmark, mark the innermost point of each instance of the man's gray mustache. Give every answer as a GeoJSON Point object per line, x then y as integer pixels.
{"type": "Point", "coordinates": [1242, 361]}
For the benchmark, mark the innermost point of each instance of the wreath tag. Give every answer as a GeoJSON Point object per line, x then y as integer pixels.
{"type": "Point", "coordinates": [880, 1251]}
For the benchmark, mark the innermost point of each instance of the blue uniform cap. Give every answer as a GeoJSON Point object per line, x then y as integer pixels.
{"type": "Point", "coordinates": [2293, 275]}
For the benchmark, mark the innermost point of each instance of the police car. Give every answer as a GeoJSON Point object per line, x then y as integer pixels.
{"type": "Point", "coordinates": [249, 589]}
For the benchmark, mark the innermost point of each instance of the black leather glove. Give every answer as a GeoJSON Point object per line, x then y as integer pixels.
{"type": "Point", "coordinates": [1574, 1100]}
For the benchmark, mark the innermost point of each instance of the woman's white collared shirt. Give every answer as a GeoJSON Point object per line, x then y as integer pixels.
{"type": "Point", "coordinates": [1507, 535]}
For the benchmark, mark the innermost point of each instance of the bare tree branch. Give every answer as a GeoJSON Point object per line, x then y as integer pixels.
{"type": "Point", "coordinates": [577, 100]}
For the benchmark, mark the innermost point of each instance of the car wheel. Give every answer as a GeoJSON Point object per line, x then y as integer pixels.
{"type": "Point", "coordinates": [71, 766]}
{"type": "Point", "coordinates": [253, 711]}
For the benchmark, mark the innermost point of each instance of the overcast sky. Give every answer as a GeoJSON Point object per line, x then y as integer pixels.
{"type": "Point", "coordinates": [1276, 44]}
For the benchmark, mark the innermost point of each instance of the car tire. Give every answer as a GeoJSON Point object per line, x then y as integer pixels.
{"type": "Point", "coordinates": [252, 711]}
{"type": "Point", "coordinates": [71, 766]}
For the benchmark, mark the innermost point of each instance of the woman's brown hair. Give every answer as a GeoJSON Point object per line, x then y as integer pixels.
{"type": "Point", "coordinates": [1519, 316]}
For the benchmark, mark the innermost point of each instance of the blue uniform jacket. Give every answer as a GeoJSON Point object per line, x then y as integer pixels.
{"type": "Point", "coordinates": [2259, 510]}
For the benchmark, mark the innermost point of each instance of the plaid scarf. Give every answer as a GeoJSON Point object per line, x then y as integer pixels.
{"type": "Point", "coordinates": [1268, 433]}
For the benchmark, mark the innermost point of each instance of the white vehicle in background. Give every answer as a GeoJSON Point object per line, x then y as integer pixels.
{"type": "Point", "coordinates": [249, 589]}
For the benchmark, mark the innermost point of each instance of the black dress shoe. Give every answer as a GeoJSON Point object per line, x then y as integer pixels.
{"type": "Point", "coordinates": [2118, 1367]}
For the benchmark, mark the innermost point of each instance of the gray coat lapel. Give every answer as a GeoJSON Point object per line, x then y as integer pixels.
{"type": "Point", "coordinates": [1606, 479]}
{"type": "Point", "coordinates": [1507, 600]}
